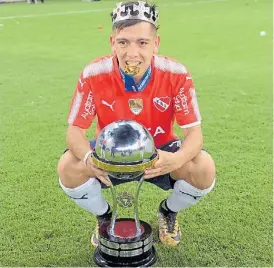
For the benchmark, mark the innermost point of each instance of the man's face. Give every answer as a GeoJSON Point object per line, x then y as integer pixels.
{"type": "Point", "coordinates": [135, 45]}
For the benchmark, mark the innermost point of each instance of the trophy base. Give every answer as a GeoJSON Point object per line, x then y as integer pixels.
{"type": "Point", "coordinates": [124, 249]}
{"type": "Point", "coordinates": [114, 262]}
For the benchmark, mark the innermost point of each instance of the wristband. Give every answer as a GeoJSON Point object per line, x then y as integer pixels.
{"type": "Point", "coordinates": [85, 159]}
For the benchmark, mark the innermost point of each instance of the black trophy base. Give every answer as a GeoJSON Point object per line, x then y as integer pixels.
{"type": "Point", "coordinates": [116, 262]}
{"type": "Point", "coordinates": [125, 249]}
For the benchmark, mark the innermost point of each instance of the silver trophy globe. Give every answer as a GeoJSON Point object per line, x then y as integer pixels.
{"type": "Point", "coordinates": [124, 149]}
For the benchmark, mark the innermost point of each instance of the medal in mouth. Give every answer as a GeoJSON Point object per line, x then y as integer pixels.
{"type": "Point", "coordinates": [132, 68]}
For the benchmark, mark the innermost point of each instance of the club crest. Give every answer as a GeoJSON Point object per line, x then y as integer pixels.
{"type": "Point", "coordinates": [135, 105]}
{"type": "Point", "coordinates": [161, 103]}
{"type": "Point", "coordinates": [125, 199]}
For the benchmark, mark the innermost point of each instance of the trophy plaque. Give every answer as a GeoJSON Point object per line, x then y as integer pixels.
{"type": "Point", "coordinates": [125, 149]}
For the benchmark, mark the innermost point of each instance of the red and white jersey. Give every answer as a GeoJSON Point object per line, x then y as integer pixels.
{"type": "Point", "coordinates": [169, 95]}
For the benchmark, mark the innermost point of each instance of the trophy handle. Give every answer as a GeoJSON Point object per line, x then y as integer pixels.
{"type": "Point", "coordinates": [136, 213]}
{"type": "Point", "coordinates": [114, 210]}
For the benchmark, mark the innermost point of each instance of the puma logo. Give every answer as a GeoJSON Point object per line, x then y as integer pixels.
{"type": "Point", "coordinates": [109, 105]}
{"type": "Point", "coordinates": [81, 83]}
{"type": "Point", "coordinates": [85, 196]}
{"type": "Point", "coordinates": [195, 197]}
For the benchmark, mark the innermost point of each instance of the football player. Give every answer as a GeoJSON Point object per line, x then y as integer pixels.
{"type": "Point", "coordinates": [136, 83]}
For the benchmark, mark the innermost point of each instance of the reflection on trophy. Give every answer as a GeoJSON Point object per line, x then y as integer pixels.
{"type": "Point", "coordinates": [125, 149]}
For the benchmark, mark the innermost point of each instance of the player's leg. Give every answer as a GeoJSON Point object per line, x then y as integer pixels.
{"type": "Point", "coordinates": [193, 181]}
{"type": "Point", "coordinates": [190, 183]}
{"type": "Point", "coordinates": [80, 184]}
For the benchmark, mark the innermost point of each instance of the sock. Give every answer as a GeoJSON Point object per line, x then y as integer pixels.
{"type": "Point", "coordinates": [165, 209]}
{"type": "Point", "coordinates": [185, 195]}
{"type": "Point", "coordinates": [107, 212]}
{"type": "Point", "coordinates": [88, 196]}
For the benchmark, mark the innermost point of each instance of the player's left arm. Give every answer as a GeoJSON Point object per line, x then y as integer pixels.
{"type": "Point", "coordinates": [187, 114]}
{"type": "Point", "coordinates": [192, 144]}
{"type": "Point", "coordinates": [188, 117]}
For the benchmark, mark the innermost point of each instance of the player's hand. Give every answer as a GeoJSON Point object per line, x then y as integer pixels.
{"type": "Point", "coordinates": [166, 163]}
{"type": "Point", "coordinates": [99, 173]}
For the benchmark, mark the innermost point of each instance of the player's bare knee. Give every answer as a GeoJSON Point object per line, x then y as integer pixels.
{"type": "Point", "coordinates": [208, 167]}
{"type": "Point", "coordinates": [69, 166]}
{"type": "Point", "coordinates": [72, 172]}
{"type": "Point", "coordinates": [63, 164]}
{"type": "Point", "coordinates": [204, 171]}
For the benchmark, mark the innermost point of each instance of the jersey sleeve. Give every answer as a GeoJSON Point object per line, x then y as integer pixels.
{"type": "Point", "coordinates": [185, 104]}
{"type": "Point", "coordinates": [82, 108]}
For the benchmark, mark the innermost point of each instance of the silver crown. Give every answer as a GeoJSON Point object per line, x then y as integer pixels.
{"type": "Point", "coordinates": [139, 10]}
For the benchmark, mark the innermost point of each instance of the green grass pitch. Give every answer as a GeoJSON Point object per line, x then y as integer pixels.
{"type": "Point", "coordinates": [43, 49]}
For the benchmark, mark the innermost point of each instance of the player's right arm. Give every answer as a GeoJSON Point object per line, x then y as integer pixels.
{"type": "Point", "coordinates": [82, 112]}
{"type": "Point", "coordinates": [77, 141]}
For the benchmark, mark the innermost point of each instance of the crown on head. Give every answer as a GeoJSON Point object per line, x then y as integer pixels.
{"type": "Point", "coordinates": [139, 10]}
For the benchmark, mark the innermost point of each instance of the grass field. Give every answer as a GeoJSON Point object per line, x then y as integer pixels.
{"type": "Point", "coordinates": [43, 49]}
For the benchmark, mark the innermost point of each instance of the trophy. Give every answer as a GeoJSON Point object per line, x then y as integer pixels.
{"type": "Point", "coordinates": [125, 149]}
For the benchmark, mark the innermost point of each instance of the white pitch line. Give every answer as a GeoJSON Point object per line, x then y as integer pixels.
{"type": "Point", "coordinates": [99, 10]}
{"type": "Point", "coordinates": [54, 14]}
{"type": "Point", "coordinates": [210, 1]}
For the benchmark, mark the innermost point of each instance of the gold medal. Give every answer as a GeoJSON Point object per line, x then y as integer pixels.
{"type": "Point", "coordinates": [131, 69]}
